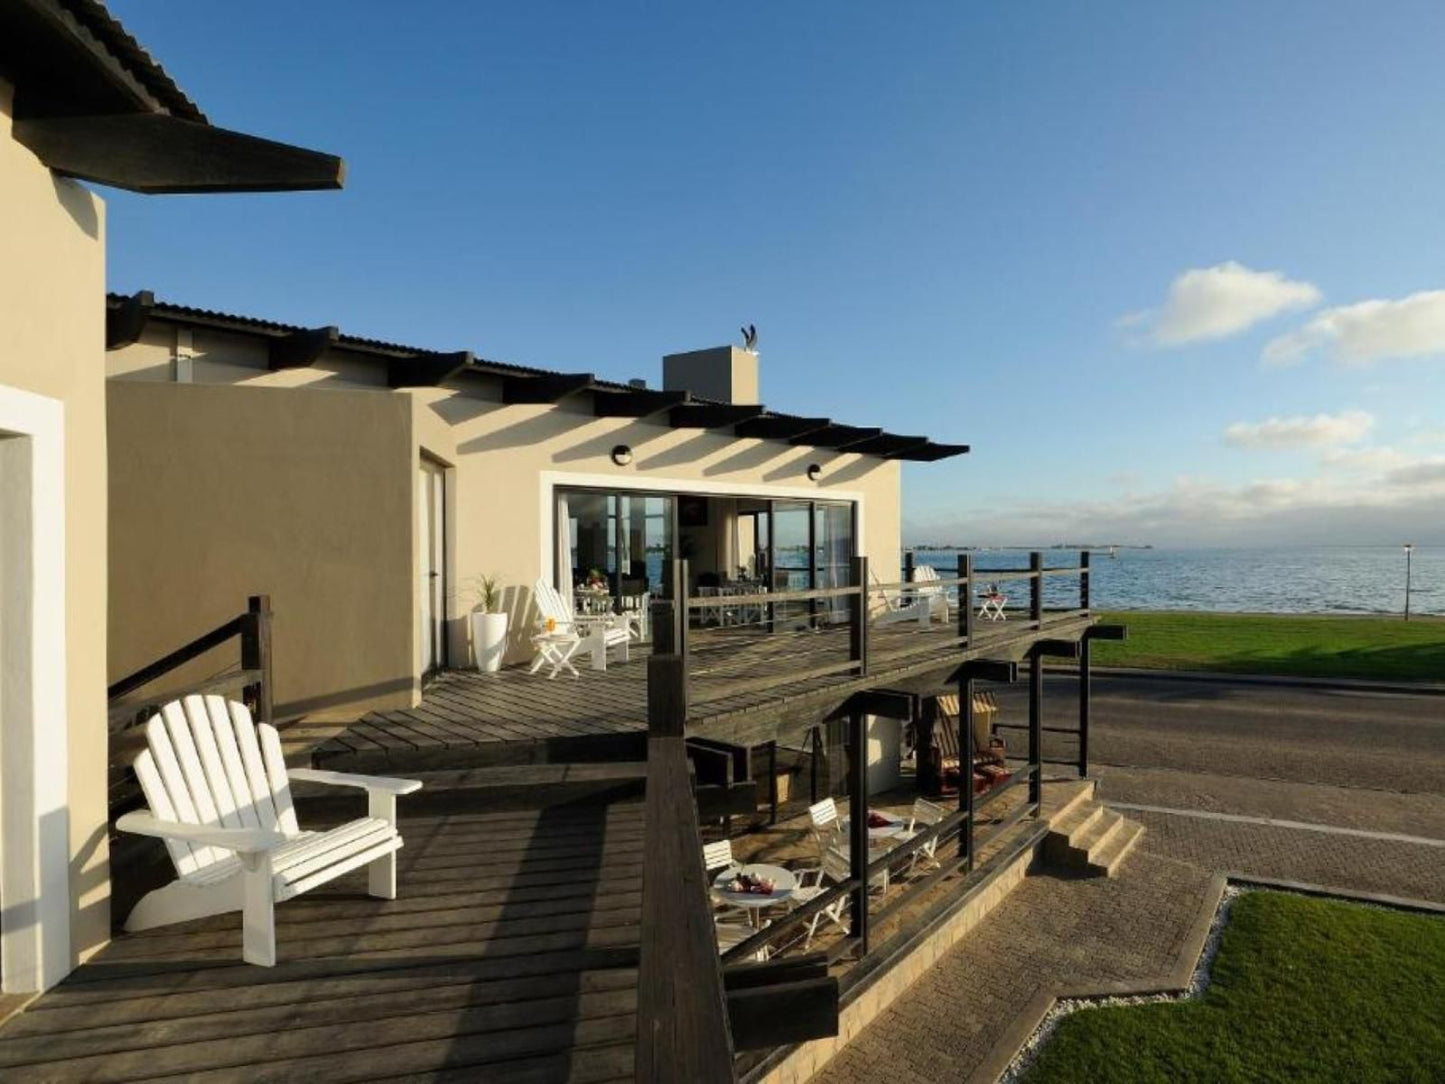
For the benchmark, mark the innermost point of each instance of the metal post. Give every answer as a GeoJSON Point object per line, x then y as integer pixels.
{"type": "Point", "coordinates": [772, 782]}
{"type": "Point", "coordinates": [817, 756]}
{"type": "Point", "coordinates": [965, 772]}
{"type": "Point", "coordinates": [1036, 589]}
{"type": "Point", "coordinates": [965, 597]}
{"type": "Point", "coordinates": [1084, 580]}
{"type": "Point", "coordinates": [256, 651]}
{"type": "Point", "coordinates": [927, 765]}
{"type": "Point", "coordinates": [1084, 694]}
{"type": "Point", "coordinates": [1036, 723]}
{"type": "Point", "coordinates": [858, 825]}
{"type": "Point", "coordinates": [858, 615]}
{"type": "Point", "coordinates": [1409, 552]}
{"type": "Point", "coordinates": [909, 563]}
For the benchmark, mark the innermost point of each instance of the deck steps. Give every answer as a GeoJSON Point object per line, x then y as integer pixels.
{"type": "Point", "coordinates": [1090, 839]}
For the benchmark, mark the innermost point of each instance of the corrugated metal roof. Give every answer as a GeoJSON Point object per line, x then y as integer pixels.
{"type": "Point", "coordinates": [132, 55]}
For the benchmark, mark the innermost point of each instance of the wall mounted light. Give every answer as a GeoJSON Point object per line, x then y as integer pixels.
{"type": "Point", "coordinates": [814, 472]}
{"type": "Point", "coordinates": [621, 455]}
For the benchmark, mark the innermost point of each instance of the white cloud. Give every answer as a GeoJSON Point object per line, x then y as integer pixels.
{"type": "Point", "coordinates": [1216, 302]}
{"type": "Point", "coordinates": [1367, 504]}
{"type": "Point", "coordinates": [1368, 331]}
{"type": "Point", "coordinates": [1301, 431]}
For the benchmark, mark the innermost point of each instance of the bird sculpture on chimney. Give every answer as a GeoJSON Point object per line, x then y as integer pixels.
{"type": "Point", "coordinates": [750, 338]}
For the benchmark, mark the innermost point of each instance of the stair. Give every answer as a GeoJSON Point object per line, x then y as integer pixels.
{"type": "Point", "coordinates": [1090, 840]}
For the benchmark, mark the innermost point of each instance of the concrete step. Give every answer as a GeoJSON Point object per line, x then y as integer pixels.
{"type": "Point", "coordinates": [1106, 863]}
{"type": "Point", "coordinates": [1089, 839]}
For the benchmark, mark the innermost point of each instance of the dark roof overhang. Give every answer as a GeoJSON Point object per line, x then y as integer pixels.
{"type": "Point", "coordinates": [837, 437]}
{"type": "Point", "coordinates": [290, 346]}
{"type": "Point", "coordinates": [91, 103]}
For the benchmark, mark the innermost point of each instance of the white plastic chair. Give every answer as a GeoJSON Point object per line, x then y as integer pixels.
{"type": "Point", "coordinates": [931, 592]}
{"type": "Point", "coordinates": [812, 883]}
{"type": "Point", "coordinates": [731, 931]}
{"type": "Point", "coordinates": [220, 797]}
{"type": "Point", "coordinates": [717, 857]}
{"type": "Point", "coordinates": [597, 633]}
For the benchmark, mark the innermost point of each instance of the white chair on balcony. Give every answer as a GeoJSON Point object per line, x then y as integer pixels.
{"type": "Point", "coordinates": [901, 606]}
{"type": "Point", "coordinates": [932, 593]}
{"type": "Point", "coordinates": [220, 797]}
{"type": "Point", "coordinates": [925, 815]}
{"type": "Point", "coordinates": [596, 632]}
{"type": "Point", "coordinates": [812, 883]}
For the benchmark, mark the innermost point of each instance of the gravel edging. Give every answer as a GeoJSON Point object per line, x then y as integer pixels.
{"type": "Point", "coordinates": [1047, 1010]}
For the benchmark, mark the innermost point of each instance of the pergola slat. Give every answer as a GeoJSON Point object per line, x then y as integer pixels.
{"type": "Point", "coordinates": [638, 403]}
{"type": "Point", "coordinates": [779, 426]}
{"type": "Point", "coordinates": [545, 388]}
{"type": "Point", "coordinates": [426, 370]}
{"type": "Point", "coordinates": [711, 415]}
{"type": "Point", "coordinates": [301, 348]}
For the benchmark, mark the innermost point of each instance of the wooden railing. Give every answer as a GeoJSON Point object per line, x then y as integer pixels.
{"type": "Point", "coordinates": [251, 674]}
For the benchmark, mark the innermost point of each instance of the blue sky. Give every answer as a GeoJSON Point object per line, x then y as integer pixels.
{"type": "Point", "coordinates": [1127, 251]}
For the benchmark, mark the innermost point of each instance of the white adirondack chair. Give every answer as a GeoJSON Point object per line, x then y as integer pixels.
{"type": "Point", "coordinates": [931, 592]}
{"type": "Point", "coordinates": [598, 632]}
{"type": "Point", "coordinates": [899, 607]}
{"type": "Point", "coordinates": [220, 796]}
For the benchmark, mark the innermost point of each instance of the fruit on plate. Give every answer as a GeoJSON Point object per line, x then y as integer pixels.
{"type": "Point", "coordinates": [751, 884]}
{"type": "Point", "coordinates": [878, 820]}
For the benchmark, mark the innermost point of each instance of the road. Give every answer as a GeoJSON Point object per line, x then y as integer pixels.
{"type": "Point", "coordinates": [1356, 759]}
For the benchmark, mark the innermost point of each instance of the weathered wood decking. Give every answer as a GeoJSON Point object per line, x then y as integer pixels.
{"type": "Point", "coordinates": [465, 710]}
{"type": "Point", "coordinates": [511, 955]}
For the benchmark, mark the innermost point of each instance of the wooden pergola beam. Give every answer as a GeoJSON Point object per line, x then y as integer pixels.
{"type": "Point", "coordinates": [931, 452]}
{"type": "Point", "coordinates": [1107, 632]}
{"type": "Point", "coordinates": [1001, 671]}
{"type": "Point", "coordinates": [301, 348]}
{"type": "Point", "coordinates": [779, 427]}
{"type": "Point", "coordinates": [837, 437]}
{"type": "Point", "coordinates": [545, 388]}
{"type": "Point", "coordinates": [426, 370]}
{"type": "Point", "coordinates": [1057, 649]}
{"type": "Point", "coordinates": [886, 444]}
{"type": "Point", "coordinates": [125, 323]}
{"type": "Point", "coordinates": [711, 415]}
{"type": "Point", "coordinates": [637, 403]}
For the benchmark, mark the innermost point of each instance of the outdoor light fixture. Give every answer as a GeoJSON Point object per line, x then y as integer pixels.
{"type": "Point", "coordinates": [814, 472]}
{"type": "Point", "coordinates": [621, 455]}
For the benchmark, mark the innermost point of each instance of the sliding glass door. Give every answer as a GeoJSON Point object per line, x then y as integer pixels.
{"type": "Point", "coordinates": [616, 548]}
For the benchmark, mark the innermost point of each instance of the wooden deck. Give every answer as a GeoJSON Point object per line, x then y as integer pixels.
{"type": "Point", "coordinates": [465, 710]}
{"type": "Point", "coordinates": [511, 955]}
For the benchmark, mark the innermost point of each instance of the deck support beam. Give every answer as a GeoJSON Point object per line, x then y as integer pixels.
{"type": "Point", "coordinates": [858, 825]}
{"type": "Point", "coordinates": [300, 348]}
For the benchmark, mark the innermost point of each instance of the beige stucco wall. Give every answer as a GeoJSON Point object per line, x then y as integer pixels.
{"type": "Point", "coordinates": [218, 493]}
{"type": "Point", "coordinates": [503, 462]}
{"type": "Point", "coordinates": [52, 339]}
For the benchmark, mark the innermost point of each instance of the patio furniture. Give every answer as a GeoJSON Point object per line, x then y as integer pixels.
{"type": "Point", "coordinates": [989, 751]}
{"type": "Point", "coordinates": [932, 593]}
{"type": "Point", "coordinates": [812, 883]}
{"type": "Point", "coordinates": [991, 603]}
{"type": "Point", "coordinates": [899, 607]}
{"type": "Point", "coordinates": [597, 633]}
{"type": "Point", "coordinates": [637, 612]}
{"type": "Point", "coordinates": [785, 882]}
{"type": "Point", "coordinates": [219, 795]}
{"type": "Point", "coordinates": [718, 856]}
{"type": "Point", "coordinates": [925, 815]}
{"type": "Point", "coordinates": [731, 932]}
{"type": "Point", "coordinates": [555, 649]}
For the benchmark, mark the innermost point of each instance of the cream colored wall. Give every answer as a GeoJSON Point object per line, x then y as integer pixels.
{"type": "Point", "coordinates": [220, 492]}
{"type": "Point", "coordinates": [52, 336]}
{"type": "Point", "coordinates": [502, 453]}
{"type": "Point", "coordinates": [498, 456]}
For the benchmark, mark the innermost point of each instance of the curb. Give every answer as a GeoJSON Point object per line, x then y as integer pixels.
{"type": "Point", "coordinates": [1023, 1025]}
{"type": "Point", "coordinates": [1421, 688]}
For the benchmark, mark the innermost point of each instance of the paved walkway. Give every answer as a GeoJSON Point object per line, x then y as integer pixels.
{"type": "Point", "coordinates": [1052, 932]}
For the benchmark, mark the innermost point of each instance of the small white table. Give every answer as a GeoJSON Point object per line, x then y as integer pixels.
{"type": "Point", "coordinates": [894, 828]}
{"type": "Point", "coordinates": [990, 606]}
{"type": "Point", "coordinates": [555, 649]}
{"type": "Point", "coordinates": [785, 883]}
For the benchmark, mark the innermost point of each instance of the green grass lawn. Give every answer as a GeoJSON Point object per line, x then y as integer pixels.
{"type": "Point", "coordinates": [1302, 990]}
{"type": "Point", "coordinates": [1337, 647]}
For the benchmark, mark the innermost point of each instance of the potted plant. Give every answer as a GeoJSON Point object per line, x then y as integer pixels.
{"type": "Point", "coordinates": [489, 624]}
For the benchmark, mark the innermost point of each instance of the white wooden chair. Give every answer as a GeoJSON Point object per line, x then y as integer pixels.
{"type": "Point", "coordinates": [733, 931]}
{"type": "Point", "coordinates": [597, 632]}
{"type": "Point", "coordinates": [812, 883]}
{"type": "Point", "coordinates": [899, 607]}
{"type": "Point", "coordinates": [220, 797]}
{"type": "Point", "coordinates": [718, 857]}
{"type": "Point", "coordinates": [931, 593]}
{"type": "Point", "coordinates": [925, 815]}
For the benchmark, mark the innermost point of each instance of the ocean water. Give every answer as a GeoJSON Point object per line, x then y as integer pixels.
{"type": "Point", "coordinates": [1313, 580]}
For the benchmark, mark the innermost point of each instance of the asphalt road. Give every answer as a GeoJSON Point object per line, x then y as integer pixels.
{"type": "Point", "coordinates": [1358, 759]}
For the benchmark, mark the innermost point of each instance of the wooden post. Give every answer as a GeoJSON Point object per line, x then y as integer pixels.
{"type": "Point", "coordinates": [256, 652]}
{"type": "Point", "coordinates": [930, 779]}
{"type": "Point", "coordinates": [1036, 589]}
{"type": "Point", "coordinates": [669, 617]}
{"type": "Point", "coordinates": [773, 782]}
{"type": "Point", "coordinates": [666, 696]}
{"type": "Point", "coordinates": [1084, 580]}
{"type": "Point", "coordinates": [858, 824]}
{"type": "Point", "coordinates": [817, 758]}
{"type": "Point", "coordinates": [858, 614]}
{"type": "Point", "coordinates": [908, 567]}
{"type": "Point", "coordinates": [965, 597]}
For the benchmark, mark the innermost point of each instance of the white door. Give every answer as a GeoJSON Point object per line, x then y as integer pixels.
{"type": "Point", "coordinates": [431, 544]}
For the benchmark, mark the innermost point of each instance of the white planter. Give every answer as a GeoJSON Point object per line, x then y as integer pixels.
{"type": "Point", "coordinates": [489, 641]}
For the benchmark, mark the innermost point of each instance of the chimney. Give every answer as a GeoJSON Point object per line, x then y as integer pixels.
{"type": "Point", "coordinates": [725, 373]}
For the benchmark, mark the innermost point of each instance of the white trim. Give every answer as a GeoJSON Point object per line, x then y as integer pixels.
{"type": "Point", "coordinates": [34, 791]}
{"type": "Point", "coordinates": [550, 480]}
